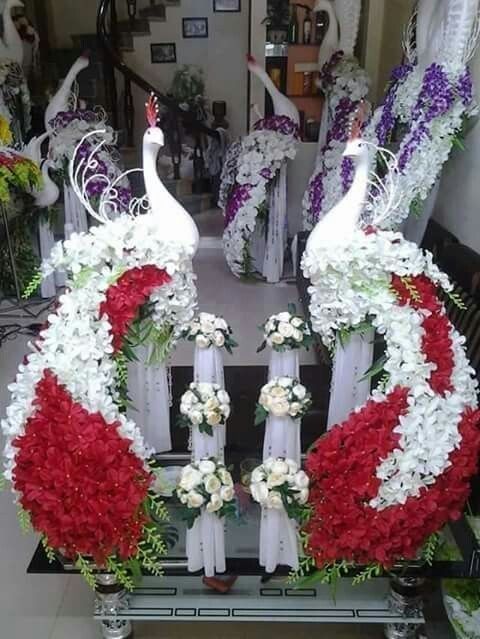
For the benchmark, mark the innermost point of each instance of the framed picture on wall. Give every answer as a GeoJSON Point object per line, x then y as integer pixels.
{"type": "Point", "coordinates": [227, 6]}
{"type": "Point", "coordinates": [195, 27]}
{"type": "Point", "coordinates": [163, 52]}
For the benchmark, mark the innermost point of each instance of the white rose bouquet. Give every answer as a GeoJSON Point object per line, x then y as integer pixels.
{"type": "Point", "coordinates": [282, 397]}
{"type": "Point", "coordinates": [204, 405]}
{"type": "Point", "coordinates": [279, 483]}
{"type": "Point", "coordinates": [207, 485]}
{"type": "Point", "coordinates": [286, 331]}
{"type": "Point", "coordinates": [208, 330]}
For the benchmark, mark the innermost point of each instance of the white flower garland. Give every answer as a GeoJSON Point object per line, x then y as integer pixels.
{"type": "Point", "coordinates": [77, 344]}
{"type": "Point", "coordinates": [262, 155]}
{"type": "Point", "coordinates": [351, 284]}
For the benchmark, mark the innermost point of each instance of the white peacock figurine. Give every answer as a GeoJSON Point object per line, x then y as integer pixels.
{"type": "Point", "coordinates": [11, 45]}
{"type": "Point", "coordinates": [62, 99]}
{"type": "Point", "coordinates": [281, 104]}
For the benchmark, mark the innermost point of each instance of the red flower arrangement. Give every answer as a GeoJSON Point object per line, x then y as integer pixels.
{"type": "Point", "coordinates": [342, 464]}
{"type": "Point", "coordinates": [124, 298]}
{"type": "Point", "coordinates": [83, 487]}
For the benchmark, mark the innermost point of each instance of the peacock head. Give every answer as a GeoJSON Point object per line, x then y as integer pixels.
{"type": "Point", "coordinates": [154, 134]}
{"type": "Point", "coordinates": [356, 145]}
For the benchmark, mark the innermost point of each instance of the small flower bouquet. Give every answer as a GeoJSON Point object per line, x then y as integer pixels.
{"type": "Point", "coordinates": [208, 330]}
{"type": "Point", "coordinates": [282, 397]}
{"type": "Point", "coordinates": [279, 483]}
{"type": "Point", "coordinates": [286, 331]}
{"type": "Point", "coordinates": [206, 485]}
{"type": "Point", "coordinates": [204, 405]}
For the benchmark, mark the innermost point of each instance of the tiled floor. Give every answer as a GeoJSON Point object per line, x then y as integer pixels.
{"type": "Point", "coordinates": [56, 607]}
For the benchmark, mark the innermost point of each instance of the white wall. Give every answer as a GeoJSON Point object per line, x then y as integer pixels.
{"type": "Point", "coordinates": [458, 203]}
{"type": "Point", "coordinates": [221, 55]}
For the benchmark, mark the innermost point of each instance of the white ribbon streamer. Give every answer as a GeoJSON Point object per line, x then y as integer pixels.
{"type": "Point", "coordinates": [208, 445]}
{"type": "Point", "coordinates": [46, 242]}
{"type": "Point", "coordinates": [149, 393]}
{"type": "Point", "coordinates": [206, 545]}
{"type": "Point", "coordinates": [208, 368]}
{"type": "Point", "coordinates": [351, 362]}
{"type": "Point", "coordinates": [282, 438]}
{"type": "Point", "coordinates": [277, 229]}
{"type": "Point", "coordinates": [75, 214]}
{"type": "Point", "coordinates": [286, 364]}
{"type": "Point", "coordinates": [278, 540]}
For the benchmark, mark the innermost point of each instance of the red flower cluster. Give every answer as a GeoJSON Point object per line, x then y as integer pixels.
{"type": "Point", "coordinates": [124, 298]}
{"type": "Point", "coordinates": [436, 343]}
{"type": "Point", "coordinates": [342, 467]}
{"type": "Point", "coordinates": [77, 478]}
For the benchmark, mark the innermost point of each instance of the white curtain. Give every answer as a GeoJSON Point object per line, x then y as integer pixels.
{"type": "Point", "coordinates": [278, 540]}
{"type": "Point", "coordinates": [208, 368]}
{"type": "Point", "coordinates": [204, 445]}
{"type": "Point", "coordinates": [286, 364]}
{"type": "Point", "coordinates": [149, 393]}
{"type": "Point", "coordinates": [350, 364]}
{"type": "Point", "coordinates": [206, 545]}
{"type": "Point", "coordinates": [277, 229]}
{"type": "Point", "coordinates": [282, 438]}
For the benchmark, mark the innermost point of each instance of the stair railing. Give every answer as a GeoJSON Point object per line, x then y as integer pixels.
{"type": "Point", "coordinates": [176, 119]}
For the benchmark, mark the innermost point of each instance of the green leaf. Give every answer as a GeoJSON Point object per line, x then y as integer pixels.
{"type": "Point", "coordinates": [262, 347]}
{"type": "Point", "coordinates": [260, 415]}
{"type": "Point", "coordinates": [375, 368]}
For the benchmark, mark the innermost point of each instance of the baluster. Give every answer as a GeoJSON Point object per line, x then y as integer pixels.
{"type": "Point", "coordinates": [129, 111]}
{"type": "Point", "coordinates": [109, 70]}
{"type": "Point", "coordinates": [198, 164]}
{"type": "Point", "coordinates": [132, 11]}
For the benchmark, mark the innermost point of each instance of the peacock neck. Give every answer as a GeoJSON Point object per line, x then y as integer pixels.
{"type": "Point", "coordinates": [354, 200]}
{"type": "Point", "coordinates": [11, 36]}
{"type": "Point", "coordinates": [331, 39]}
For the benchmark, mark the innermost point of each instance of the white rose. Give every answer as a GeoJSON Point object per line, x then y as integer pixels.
{"type": "Point", "coordinates": [301, 479]}
{"type": "Point", "coordinates": [219, 339]}
{"type": "Point", "coordinates": [296, 322]}
{"type": "Point", "coordinates": [278, 392]}
{"type": "Point", "coordinates": [302, 496]}
{"type": "Point", "coordinates": [207, 326]}
{"type": "Point", "coordinates": [277, 339]}
{"type": "Point", "coordinates": [292, 466]}
{"type": "Point", "coordinates": [212, 484]}
{"type": "Point", "coordinates": [196, 417]}
{"type": "Point", "coordinates": [258, 475]}
{"type": "Point", "coordinates": [259, 492]}
{"type": "Point", "coordinates": [295, 408]}
{"type": "Point", "coordinates": [285, 382]}
{"type": "Point", "coordinates": [274, 500]}
{"type": "Point", "coordinates": [284, 317]}
{"type": "Point", "coordinates": [276, 479]}
{"type": "Point", "coordinates": [214, 504]}
{"type": "Point", "coordinates": [190, 478]}
{"type": "Point", "coordinates": [189, 398]}
{"type": "Point", "coordinates": [268, 463]}
{"type": "Point", "coordinates": [194, 500]}
{"type": "Point", "coordinates": [183, 498]}
{"type": "Point", "coordinates": [213, 419]}
{"type": "Point", "coordinates": [297, 335]}
{"type": "Point", "coordinates": [223, 397]}
{"type": "Point", "coordinates": [202, 342]}
{"type": "Point", "coordinates": [206, 467]}
{"type": "Point", "coordinates": [225, 477]}
{"type": "Point", "coordinates": [221, 324]}
{"type": "Point", "coordinates": [280, 467]}
{"type": "Point", "coordinates": [225, 408]}
{"type": "Point", "coordinates": [299, 391]}
{"type": "Point", "coordinates": [279, 407]}
{"type": "Point", "coordinates": [184, 409]}
{"type": "Point", "coordinates": [286, 330]}
{"type": "Point", "coordinates": [226, 493]}
{"type": "Point", "coordinates": [211, 404]}
{"type": "Point", "coordinates": [194, 328]}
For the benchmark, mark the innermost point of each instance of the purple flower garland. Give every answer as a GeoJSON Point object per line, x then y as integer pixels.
{"type": "Point", "coordinates": [279, 123]}
{"type": "Point", "coordinates": [386, 123]}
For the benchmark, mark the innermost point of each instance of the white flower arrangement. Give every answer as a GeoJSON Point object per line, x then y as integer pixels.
{"type": "Point", "coordinates": [286, 331]}
{"type": "Point", "coordinates": [204, 405]}
{"type": "Point", "coordinates": [283, 397]}
{"type": "Point", "coordinates": [280, 484]}
{"type": "Point", "coordinates": [206, 485]}
{"type": "Point", "coordinates": [209, 330]}
{"type": "Point", "coordinates": [351, 283]}
{"type": "Point", "coordinates": [261, 157]}
{"type": "Point", "coordinates": [77, 344]}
